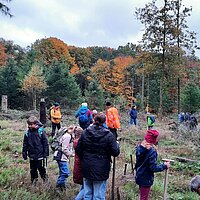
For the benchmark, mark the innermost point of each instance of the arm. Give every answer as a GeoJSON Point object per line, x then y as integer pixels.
{"type": "Point", "coordinates": [66, 145]}
{"type": "Point", "coordinates": [153, 163]}
{"type": "Point", "coordinates": [45, 144]}
{"type": "Point", "coordinates": [114, 146]}
{"type": "Point", "coordinates": [25, 147]}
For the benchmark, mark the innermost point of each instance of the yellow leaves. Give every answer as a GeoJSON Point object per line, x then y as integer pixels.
{"type": "Point", "coordinates": [34, 81]}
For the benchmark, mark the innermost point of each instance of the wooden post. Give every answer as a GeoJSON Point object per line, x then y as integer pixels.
{"type": "Point", "coordinates": [132, 164]}
{"type": "Point", "coordinates": [4, 103]}
{"type": "Point", "coordinates": [43, 111]}
{"type": "Point", "coordinates": [125, 167]}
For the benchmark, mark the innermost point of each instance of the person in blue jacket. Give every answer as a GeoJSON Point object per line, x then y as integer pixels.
{"type": "Point", "coordinates": [146, 163]}
{"type": "Point", "coordinates": [84, 116]}
{"type": "Point", "coordinates": [133, 116]}
{"type": "Point", "coordinates": [95, 147]}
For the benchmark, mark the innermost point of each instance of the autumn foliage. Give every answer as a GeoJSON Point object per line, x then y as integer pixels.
{"type": "Point", "coordinates": [2, 55]}
{"type": "Point", "coordinates": [112, 75]}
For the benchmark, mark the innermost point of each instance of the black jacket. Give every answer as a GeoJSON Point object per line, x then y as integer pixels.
{"type": "Point", "coordinates": [95, 148]}
{"type": "Point", "coordinates": [35, 145]}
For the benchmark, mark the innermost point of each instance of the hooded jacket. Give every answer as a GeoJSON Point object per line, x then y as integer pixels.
{"type": "Point", "coordinates": [146, 166]}
{"type": "Point", "coordinates": [66, 148]}
{"type": "Point", "coordinates": [35, 145]}
{"type": "Point", "coordinates": [56, 115]}
{"type": "Point", "coordinates": [84, 109]}
{"type": "Point", "coordinates": [95, 148]}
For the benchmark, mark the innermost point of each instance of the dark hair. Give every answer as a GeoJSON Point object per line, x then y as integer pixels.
{"type": "Point", "coordinates": [100, 119]}
{"type": "Point", "coordinates": [108, 103]}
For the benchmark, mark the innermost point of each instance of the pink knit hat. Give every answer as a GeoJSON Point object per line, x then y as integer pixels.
{"type": "Point", "coordinates": [151, 136]}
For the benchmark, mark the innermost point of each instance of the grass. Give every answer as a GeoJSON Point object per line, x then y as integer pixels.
{"type": "Point", "coordinates": [15, 176]}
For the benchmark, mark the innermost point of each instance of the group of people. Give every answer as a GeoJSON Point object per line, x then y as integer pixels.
{"type": "Point", "coordinates": [188, 120]}
{"type": "Point", "coordinates": [134, 118]}
{"type": "Point", "coordinates": [94, 142]}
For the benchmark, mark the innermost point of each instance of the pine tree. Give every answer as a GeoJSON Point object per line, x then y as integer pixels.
{"type": "Point", "coordinates": [62, 86]}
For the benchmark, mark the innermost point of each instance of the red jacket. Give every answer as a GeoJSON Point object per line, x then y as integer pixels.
{"type": "Point", "coordinates": [77, 172]}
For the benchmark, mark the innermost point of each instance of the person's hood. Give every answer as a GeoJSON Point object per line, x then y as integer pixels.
{"type": "Point", "coordinates": [83, 109]}
{"type": "Point", "coordinates": [95, 133]}
{"type": "Point", "coordinates": [141, 151]}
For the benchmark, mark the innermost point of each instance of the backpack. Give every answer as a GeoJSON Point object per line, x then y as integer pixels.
{"type": "Point", "coordinates": [49, 114]}
{"type": "Point", "coordinates": [152, 119]}
{"type": "Point", "coordinates": [40, 132]}
{"type": "Point", "coordinates": [83, 117]}
{"type": "Point", "coordinates": [55, 145]}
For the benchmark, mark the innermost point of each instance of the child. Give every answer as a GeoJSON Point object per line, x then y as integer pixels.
{"type": "Point", "coordinates": [77, 172]}
{"type": "Point", "coordinates": [35, 146]}
{"type": "Point", "coordinates": [62, 158]}
{"type": "Point", "coordinates": [146, 163]}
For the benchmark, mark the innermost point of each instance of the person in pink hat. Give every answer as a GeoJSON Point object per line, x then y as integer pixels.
{"type": "Point", "coordinates": [146, 163]}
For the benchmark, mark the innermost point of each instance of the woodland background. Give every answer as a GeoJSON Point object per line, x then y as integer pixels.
{"type": "Point", "coordinates": [161, 73]}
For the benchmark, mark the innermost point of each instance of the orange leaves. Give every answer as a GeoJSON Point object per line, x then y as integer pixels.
{"type": "Point", "coordinates": [111, 75]}
{"type": "Point", "coordinates": [2, 55]}
{"type": "Point", "coordinates": [52, 49]}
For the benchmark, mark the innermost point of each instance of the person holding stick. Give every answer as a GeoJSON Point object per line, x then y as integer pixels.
{"type": "Point", "coordinates": [95, 148]}
{"type": "Point", "coordinates": [146, 163]}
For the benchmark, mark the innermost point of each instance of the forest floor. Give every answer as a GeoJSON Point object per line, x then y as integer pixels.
{"type": "Point", "coordinates": [181, 145]}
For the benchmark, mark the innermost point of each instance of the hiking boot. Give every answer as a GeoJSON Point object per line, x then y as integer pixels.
{"type": "Point", "coordinates": [60, 188]}
{"type": "Point", "coordinates": [34, 182]}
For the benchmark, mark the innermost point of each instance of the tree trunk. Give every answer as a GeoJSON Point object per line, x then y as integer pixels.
{"type": "Point", "coordinates": [142, 98]}
{"type": "Point", "coordinates": [34, 100]}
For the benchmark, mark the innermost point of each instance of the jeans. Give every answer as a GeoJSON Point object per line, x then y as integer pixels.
{"type": "Point", "coordinates": [133, 121]}
{"type": "Point", "coordinates": [80, 195]}
{"type": "Point", "coordinates": [63, 173]}
{"type": "Point", "coordinates": [94, 190]}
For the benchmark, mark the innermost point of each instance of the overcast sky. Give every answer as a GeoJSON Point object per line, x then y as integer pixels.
{"type": "Point", "coordinates": [81, 23]}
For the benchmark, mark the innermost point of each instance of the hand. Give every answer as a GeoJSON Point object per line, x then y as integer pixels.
{"type": "Point", "coordinates": [167, 163]}
{"type": "Point", "coordinates": [25, 157]}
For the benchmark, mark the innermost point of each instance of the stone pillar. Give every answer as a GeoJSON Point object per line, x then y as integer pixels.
{"type": "Point", "coordinates": [4, 103]}
{"type": "Point", "coordinates": [43, 111]}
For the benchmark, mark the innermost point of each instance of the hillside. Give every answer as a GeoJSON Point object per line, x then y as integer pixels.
{"type": "Point", "coordinates": [15, 177]}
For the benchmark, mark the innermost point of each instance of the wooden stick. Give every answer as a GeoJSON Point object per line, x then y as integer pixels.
{"type": "Point", "coordinates": [132, 164]}
{"type": "Point", "coordinates": [166, 179]}
{"type": "Point", "coordinates": [113, 180]}
{"type": "Point", "coordinates": [125, 167]}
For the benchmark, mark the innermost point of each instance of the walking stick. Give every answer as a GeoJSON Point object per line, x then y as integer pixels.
{"type": "Point", "coordinates": [166, 179]}
{"type": "Point", "coordinates": [113, 180]}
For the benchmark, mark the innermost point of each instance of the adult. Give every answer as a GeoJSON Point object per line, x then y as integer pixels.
{"type": "Point", "coordinates": [194, 184]}
{"type": "Point", "coordinates": [112, 118]}
{"type": "Point", "coordinates": [84, 116]}
{"type": "Point", "coordinates": [77, 170]}
{"type": "Point", "coordinates": [55, 114]}
{"type": "Point", "coordinates": [95, 148]}
{"type": "Point", "coordinates": [146, 163]}
{"type": "Point", "coordinates": [133, 116]}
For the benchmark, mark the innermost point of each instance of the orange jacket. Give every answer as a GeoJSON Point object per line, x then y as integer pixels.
{"type": "Point", "coordinates": [55, 115]}
{"type": "Point", "coordinates": [112, 118]}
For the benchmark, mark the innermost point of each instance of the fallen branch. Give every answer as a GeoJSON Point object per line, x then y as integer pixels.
{"type": "Point", "coordinates": [182, 159]}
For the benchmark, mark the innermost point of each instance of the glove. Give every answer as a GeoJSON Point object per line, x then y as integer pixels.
{"type": "Point", "coordinates": [24, 155]}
